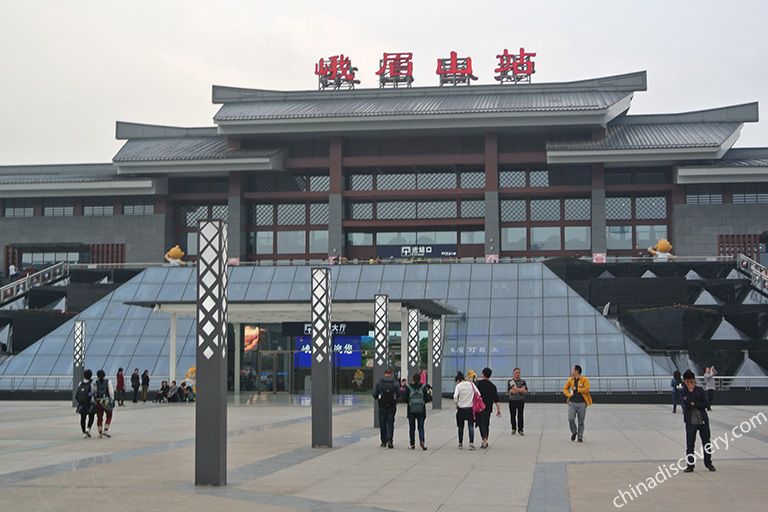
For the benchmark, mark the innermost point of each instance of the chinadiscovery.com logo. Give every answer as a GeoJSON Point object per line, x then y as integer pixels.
{"type": "Point", "coordinates": [666, 472]}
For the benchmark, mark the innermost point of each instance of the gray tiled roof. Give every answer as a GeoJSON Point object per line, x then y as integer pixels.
{"type": "Point", "coordinates": [654, 136]}
{"type": "Point", "coordinates": [737, 157]}
{"type": "Point", "coordinates": [415, 105]}
{"type": "Point", "coordinates": [185, 148]}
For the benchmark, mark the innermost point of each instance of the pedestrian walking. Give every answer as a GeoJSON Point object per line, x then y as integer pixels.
{"type": "Point", "coordinates": [516, 389]}
{"type": "Point", "coordinates": [694, 407]}
{"type": "Point", "coordinates": [105, 403]}
{"type": "Point", "coordinates": [490, 396]}
{"type": "Point", "coordinates": [144, 385]}
{"type": "Point", "coordinates": [677, 388]}
{"type": "Point", "coordinates": [417, 396]}
{"type": "Point", "coordinates": [120, 391]}
{"type": "Point", "coordinates": [709, 385]}
{"type": "Point", "coordinates": [13, 274]}
{"type": "Point", "coordinates": [86, 404]}
{"type": "Point", "coordinates": [387, 393]}
{"type": "Point", "coordinates": [463, 396]}
{"type": "Point", "coordinates": [135, 383]}
{"type": "Point", "coordinates": [577, 390]}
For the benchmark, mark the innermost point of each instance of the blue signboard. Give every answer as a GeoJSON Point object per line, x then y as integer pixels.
{"type": "Point", "coordinates": [346, 352]}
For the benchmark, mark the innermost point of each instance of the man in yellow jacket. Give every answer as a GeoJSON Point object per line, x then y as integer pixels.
{"type": "Point", "coordinates": [576, 389]}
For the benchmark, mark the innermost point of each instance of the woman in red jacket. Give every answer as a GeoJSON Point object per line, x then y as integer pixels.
{"type": "Point", "coordinates": [120, 387]}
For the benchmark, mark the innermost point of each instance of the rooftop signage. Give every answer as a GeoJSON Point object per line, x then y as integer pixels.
{"type": "Point", "coordinates": [396, 69]}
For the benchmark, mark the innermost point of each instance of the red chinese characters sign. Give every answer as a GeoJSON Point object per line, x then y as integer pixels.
{"type": "Point", "coordinates": [396, 69]}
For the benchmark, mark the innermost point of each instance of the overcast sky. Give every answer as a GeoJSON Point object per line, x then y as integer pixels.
{"type": "Point", "coordinates": [71, 68]}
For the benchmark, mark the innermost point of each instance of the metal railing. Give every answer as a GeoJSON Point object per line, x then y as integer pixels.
{"type": "Point", "coordinates": [632, 384]}
{"type": "Point", "coordinates": [18, 288]}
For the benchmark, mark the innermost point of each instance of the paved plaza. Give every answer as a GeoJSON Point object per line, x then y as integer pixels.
{"type": "Point", "coordinates": [148, 463]}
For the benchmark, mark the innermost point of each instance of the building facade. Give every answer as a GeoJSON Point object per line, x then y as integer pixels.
{"type": "Point", "coordinates": [531, 170]}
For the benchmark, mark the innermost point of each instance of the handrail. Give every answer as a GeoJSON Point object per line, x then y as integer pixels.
{"type": "Point", "coordinates": [18, 288]}
{"type": "Point", "coordinates": [388, 261]}
{"type": "Point", "coordinates": [757, 272]}
{"type": "Point", "coordinates": [627, 384]}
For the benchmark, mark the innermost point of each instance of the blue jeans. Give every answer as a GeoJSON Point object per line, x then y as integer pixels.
{"type": "Point", "coordinates": [413, 419]}
{"type": "Point", "coordinates": [387, 424]}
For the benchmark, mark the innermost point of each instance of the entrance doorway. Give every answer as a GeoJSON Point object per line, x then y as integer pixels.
{"type": "Point", "coordinates": [274, 371]}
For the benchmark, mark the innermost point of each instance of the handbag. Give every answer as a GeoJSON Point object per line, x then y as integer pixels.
{"type": "Point", "coordinates": [478, 405]}
{"type": "Point", "coordinates": [107, 403]}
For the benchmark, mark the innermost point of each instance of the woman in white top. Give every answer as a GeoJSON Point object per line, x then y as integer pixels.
{"type": "Point", "coordinates": [463, 395]}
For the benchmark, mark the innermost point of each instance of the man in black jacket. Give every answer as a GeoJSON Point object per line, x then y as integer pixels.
{"type": "Point", "coordinates": [695, 405]}
{"type": "Point", "coordinates": [135, 379]}
{"type": "Point", "coordinates": [387, 393]}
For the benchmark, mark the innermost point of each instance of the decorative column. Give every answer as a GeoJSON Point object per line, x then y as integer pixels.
{"type": "Point", "coordinates": [436, 361]}
{"type": "Point", "coordinates": [380, 341]}
{"type": "Point", "coordinates": [322, 424]}
{"type": "Point", "coordinates": [172, 350]}
{"type": "Point", "coordinates": [78, 357]}
{"type": "Point", "coordinates": [211, 355]}
{"type": "Point", "coordinates": [492, 215]}
{"type": "Point", "coordinates": [413, 342]}
{"type": "Point", "coordinates": [597, 228]}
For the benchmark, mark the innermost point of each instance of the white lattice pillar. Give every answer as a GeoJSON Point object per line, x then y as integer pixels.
{"type": "Point", "coordinates": [413, 342]}
{"type": "Point", "coordinates": [436, 361]}
{"type": "Point", "coordinates": [211, 355]}
{"type": "Point", "coordinates": [322, 364]}
{"type": "Point", "coordinates": [78, 356]}
{"type": "Point", "coordinates": [380, 342]}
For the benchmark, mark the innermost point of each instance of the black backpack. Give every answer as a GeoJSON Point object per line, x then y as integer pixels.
{"type": "Point", "coordinates": [387, 396]}
{"type": "Point", "coordinates": [83, 394]}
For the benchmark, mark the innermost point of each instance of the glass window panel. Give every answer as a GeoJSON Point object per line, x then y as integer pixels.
{"type": "Point", "coordinates": [349, 273]}
{"type": "Point", "coordinates": [413, 289]}
{"type": "Point", "coordinates": [436, 210]}
{"type": "Point", "coordinates": [318, 213]}
{"type": "Point", "coordinates": [472, 209]}
{"type": "Point", "coordinates": [472, 237]}
{"type": "Point", "coordinates": [108, 327]}
{"type": "Point", "coordinates": [580, 307]}
{"type": "Point", "coordinates": [578, 209]}
{"type": "Point", "coordinates": [502, 366]}
{"type": "Point", "coordinates": [52, 345]}
{"type": "Point", "coordinates": [361, 211]}
{"type": "Point", "coordinates": [545, 209]}
{"type": "Point", "coordinates": [366, 290]}
{"type": "Point", "coordinates": [425, 237]}
{"type": "Point", "coordinates": [529, 307]}
{"type": "Point", "coordinates": [146, 363]}
{"type": "Point", "coordinates": [284, 274]}
{"type": "Point", "coordinates": [396, 238]}
{"type": "Point", "coordinates": [539, 178]}
{"type": "Point", "coordinates": [513, 210]}
{"type": "Point", "coordinates": [587, 362]}
{"type": "Point", "coordinates": [438, 272]}
{"type": "Point", "coordinates": [436, 289]}
{"type": "Point", "coordinates": [581, 324]}
{"type": "Point", "coordinates": [360, 182]}
{"type": "Point", "coordinates": [647, 236]}
{"type": "Point", "coordinates": [577, 238]}
{"type": "Point", "coordinates": [392, 288]}
{"type": "Point", "coordinates": [372, 273]}
{"type": "Point", "coordinates": [618, 237]}
{"type": "Point", "coordinates": [503, 328]}
{"type": "Point", "coordinates": [513, 239]}
{"type": "Point", "coordinates": [530, 271]}
{"type": "Point", "coordinates": [557, 345]}
{"type": "Point", "coordinates": [191, 244]}
{"type": "Point", "coordinates": [99, 345]}
{"type": "Point", "coordinates": [319, 183]}
{"type": "Point", "coordinates": [610, 344]}
{"type": "Point", "coordinates": [458, 290]}
{"type": "Point", "coordinates": [639, 365]}
{"type": "Point", "coordinates": [146, 293]}
{"type": "Point", "coordinates": [42, 365]}
{"type": "Point", "coordinates": [395, 181]}
{"type": "Point", "coordinates": [445, 237]}
{"type": "Point", "coordinates": [481, 272]}
{"type": "Point", "coordinates": [530, 325]}
{"type": "Point", "coordinates": [479, 307]}
{"type": "Point", "coordinates": [503, 289]}
{"type": "Point", "coordinates": [557, 366]}
{"type": "Point", "coordinates": [360, 239]}
{"type": "Point", "coordinates": [318, 241]}
{"type": "Point", "coordinates": [460, 272]}
{"type": "Point", "coordinates": [529, 345]}
{"type": "Point", "coordinates": [617, 208]}
{"type": "Point", "coordinates": [291, 215]}
{"type": "Point", "coordinates": [545, 239]}
{"type": "Point", "coordinates": [124, 345]}
{"type": "Point", "coordinates": [529, 288]}
{"type": "Point", "coordinates": [555, 306]}
{"type": "Point", "coordinates": [394, 273]}
{"type": "Point", "coordinates": [171, 292]}
{"type": "Point", "coordinates": [512, 179]}
{"type": "Point", "coordinates": [157, 327]}
{"type": "Point", "coordinates": [703, 194]}
{"type": "Point", "coordinates": [651, 207]}
{"type": "Point", "coordinates": [480, 289]}
{"type": "Point", "coordinates": [460, 305]}
{"type": "Point", "coordinates": [279, 291]}
{"type": "Point", "coordinates": [612, 365]}
{"type": "Point", "coordinates": [530, 366]}
{"type": "Point", "coordinates": [291, 242]}
{"type": "Point", "coordinates": [503, 307]}
{"type": "Point", "coordinates": [416, 273]}
{"type": "Point", "coordinates": [436, 180]}
{"type": "Point", "coordinates": [555, 325]}
{"type": "Point", "coordinates": [472, 179]}
{"type": "Point", "coordinates": [477, 327]}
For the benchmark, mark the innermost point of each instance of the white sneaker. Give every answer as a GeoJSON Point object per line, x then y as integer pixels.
{"type": "Point", "coordinates": [461, 446]}
{"type": "Point", "coordinates": [85, 436]}
{"type": "Point", "coordinates": [471, 446]}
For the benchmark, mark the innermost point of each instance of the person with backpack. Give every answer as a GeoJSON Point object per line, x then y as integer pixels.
{"type": "Point", "coordinates": [120, 387]}
{"type": "Point", "coordinates": [105, 402]}
{"type": "Point", "coordinates": [135, 383]}
{"type": "Point", "coordinates": [463, 397]}
{"type": "Point", "coordinates": [416, 396]}
{"type": "Point", "coordinates": [86, 405]}
{"type": "Point", "coordinates": [144, 385]}
{"type": "Point", "coordinates": [490, 396]}
{"type": "Point", "coordinates": [387, 393]}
